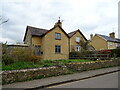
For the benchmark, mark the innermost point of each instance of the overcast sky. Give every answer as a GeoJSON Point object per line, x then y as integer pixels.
{"type": "Point", "coordinates": [90, 16]}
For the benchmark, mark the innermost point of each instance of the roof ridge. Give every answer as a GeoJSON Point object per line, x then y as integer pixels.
{"type": "Point", "coordinates": [73, 31]}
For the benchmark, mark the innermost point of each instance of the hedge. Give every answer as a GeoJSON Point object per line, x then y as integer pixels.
{"type": "Point", "coordinates": [115, 52]}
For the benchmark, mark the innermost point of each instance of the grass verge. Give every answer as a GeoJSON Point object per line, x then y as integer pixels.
{"type": "Point", "coordinates": [45, 63]}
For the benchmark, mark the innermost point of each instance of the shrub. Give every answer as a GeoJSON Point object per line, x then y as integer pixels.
{"type": "Point", "coordinates": [11, 55]}
{"type": "Point", "coordinates": [115, 52]}
{"type": "Point", "coordinates": [105, 51]}
{"type": "Point", "coordinates": [6, 60]}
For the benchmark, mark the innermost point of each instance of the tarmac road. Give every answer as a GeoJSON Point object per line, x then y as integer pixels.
{"type": "Point", "coordinates": [104, 81]}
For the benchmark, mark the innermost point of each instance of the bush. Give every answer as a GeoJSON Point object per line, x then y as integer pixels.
{"type": "Point", "coordinates": [11, 55]}
{"type": "Point", "coordinates": [6, 60]}
{"type": "Point", "coordinates": [115, 52]}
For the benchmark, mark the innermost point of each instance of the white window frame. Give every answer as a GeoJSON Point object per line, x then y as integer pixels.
{"type": "Point", "coordinates": [78, 47]}
{"type": "Point", "coordinates": [111, 43]}
{"type": "Point", "coordinates": [77, 39]}
{"type": "Point", "coordinates": [58, 36]}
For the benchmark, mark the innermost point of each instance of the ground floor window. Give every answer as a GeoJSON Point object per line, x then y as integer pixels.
{"type": "Point", "coordinates": [37, 50]}
{"type": "Point", "coordinates": [77, 47]}
{"type": "Point", "coordinates": [57, 49]}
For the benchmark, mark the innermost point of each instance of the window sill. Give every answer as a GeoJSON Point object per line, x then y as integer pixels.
{"type": "Point", "coordinates": [57, 39]}
{"type": "Point", "coordinates": [57, 53]}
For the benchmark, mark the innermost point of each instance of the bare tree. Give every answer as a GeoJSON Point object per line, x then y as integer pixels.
{"type": "Point", "coordinates": [3, 21]}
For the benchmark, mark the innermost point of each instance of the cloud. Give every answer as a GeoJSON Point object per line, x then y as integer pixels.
{"type": "Point", "coordinates": [94, 16]}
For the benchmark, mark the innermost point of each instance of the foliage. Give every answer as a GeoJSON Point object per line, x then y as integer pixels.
{"type": "Point", "coordinates": [105, 51]}
{"type": "Point", "coordinates": [44, 63]}
{"type": "Point", "coordinates": [115, 52]}
{"type": "Point", "coordinates": [11, 55]}
{"type": "Point", "coordinates": [6, 60]}
{"type": "Point", "coordinates": [85, 46]}
{"type": "Point", "coordinates": [21, 65]}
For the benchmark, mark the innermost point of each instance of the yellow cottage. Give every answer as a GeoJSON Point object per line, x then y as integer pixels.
{"type": "Point", "coordinates": [52, 44]}
{"type": "Point", "coordinates": [100, 42]}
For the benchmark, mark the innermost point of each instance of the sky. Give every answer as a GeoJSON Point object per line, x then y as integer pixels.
{"type": "Point", "coordinates": [90, 16]}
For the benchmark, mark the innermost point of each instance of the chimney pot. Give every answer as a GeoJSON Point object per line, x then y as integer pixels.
{"type": "Point", "coordinates": [91, 36]}
{"type": "Point", "coordinates": [112, 35]}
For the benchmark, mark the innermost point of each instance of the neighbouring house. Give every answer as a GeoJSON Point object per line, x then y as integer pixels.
{"type": "Point", "coordinates": [100, 42]}
{"type": "Point", "coordinates": [54, 43]}
{"type": "Point", "coordinates": [75, 38]}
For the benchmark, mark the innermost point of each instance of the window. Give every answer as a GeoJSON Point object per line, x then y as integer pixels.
{"type": "Point", "coordinates": [78, 47]}
{"type": "Point", "coordinates": [57, 36]}
{"type": "Point", "coordinates": [116, 45]}
{"type": "Point", "coordinates": [57, 49]}
{"type": "Point", "coordinates": [37, 50]}
{"type": "Point", "coordinates": [110, 43]}
{"type": "Point", "coordinates": [77, 39]}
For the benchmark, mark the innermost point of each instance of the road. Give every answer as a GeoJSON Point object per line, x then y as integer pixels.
{"type": "Point", "coordinates": [104, 81]}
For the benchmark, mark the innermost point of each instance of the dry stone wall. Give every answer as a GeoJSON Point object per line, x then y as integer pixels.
{"type": "Point", "coordinates": [84, 66]}
{"type": "Point", "coordinates": [30, 74]}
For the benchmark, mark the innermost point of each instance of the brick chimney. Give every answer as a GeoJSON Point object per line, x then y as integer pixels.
{"type": "Point", "coordinates": [91, 36]}
{"type": "Point", "coordinates": [112, 35]}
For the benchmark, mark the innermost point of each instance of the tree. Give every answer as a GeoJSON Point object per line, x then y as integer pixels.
{"type": "Point", "coordinates": [85, 46]}
{"type": "Point", "coordinates": [3, 21]}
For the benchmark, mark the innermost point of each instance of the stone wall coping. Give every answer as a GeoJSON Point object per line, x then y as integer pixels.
{"type": "Point", "coordinates": [31, 69]}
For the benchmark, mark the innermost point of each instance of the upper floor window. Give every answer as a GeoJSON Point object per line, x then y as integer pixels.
{"type": "Point", "coordinates": [77, 39]}
{"type": "Point", "coordinates": [57, 49]}
{"type": "Point", "coordinates": [111, 44]}
{"type": "Point", "coordinates": [57, 36]}
{"type": "Point", "coordinates": [116, 45]}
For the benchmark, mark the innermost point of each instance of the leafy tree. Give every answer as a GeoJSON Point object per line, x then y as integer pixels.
{"type": "Point", "coordinates": [85, 46]}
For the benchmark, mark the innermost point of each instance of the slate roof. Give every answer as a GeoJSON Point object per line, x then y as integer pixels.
{"type": "Point", "coordinates": [40, 32]}
{"type": "Point", "coordinates": [109, 38]}
{"type": "Point", "coordinates": [74, 32]}
{"type": "Point", "coordinates": [37, 31]}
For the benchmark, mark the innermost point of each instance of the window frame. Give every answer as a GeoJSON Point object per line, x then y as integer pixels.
{"type": "Point", "coordinates": [77, 46]}
{"type": "Point", "coordinates": [57, 49]}
{"type": "Point", "coordinates": [58, 36]}
{"type": "Point", "coordinates": [76, 39]}
{"type": "Point", "coordinates": [111, 44]}
{"type": "Point", "coordinates": [37, 50]}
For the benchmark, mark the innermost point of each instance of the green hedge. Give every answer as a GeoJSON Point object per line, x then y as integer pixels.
{"type": "Point", "coordinates": [115, 52]}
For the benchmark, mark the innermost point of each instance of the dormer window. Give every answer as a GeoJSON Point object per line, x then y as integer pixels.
{"type": "Point", "coordinates": [77, 39]}
{"type": "Point", "coordinates": [57, 36]}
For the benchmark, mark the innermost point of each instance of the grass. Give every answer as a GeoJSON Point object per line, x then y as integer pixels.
{"type": "Point", "coordinates": [45, 63]}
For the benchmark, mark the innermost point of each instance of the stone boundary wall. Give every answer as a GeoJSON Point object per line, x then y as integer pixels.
{"type": "Point", "coordinates": [85, 66]}
{"type": "Point", "coordinates": [30, 74]}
